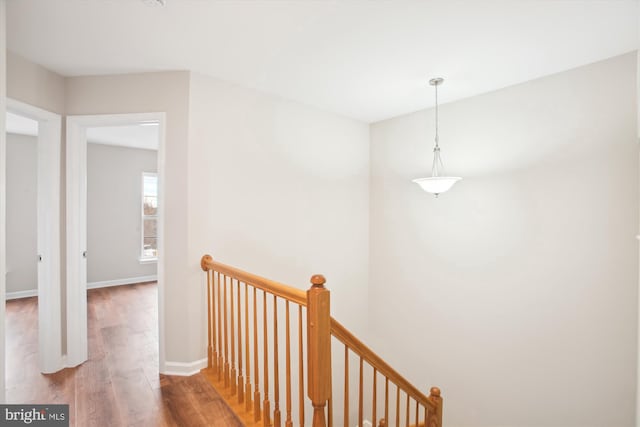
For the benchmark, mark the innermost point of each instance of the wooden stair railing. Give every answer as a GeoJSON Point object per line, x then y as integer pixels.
{"type": "Point", "coordinates": [429, 406]}
{"type": "Point", "coordinates": [244, 341]}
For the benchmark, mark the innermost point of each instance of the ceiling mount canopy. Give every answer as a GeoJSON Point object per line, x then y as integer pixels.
{"type": "Point", "coordinates": [438, 182]}
{"type": "Point", "coordinates": [154, 2]}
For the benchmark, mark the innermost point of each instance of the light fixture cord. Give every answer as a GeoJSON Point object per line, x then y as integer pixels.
{"type": "Point", "coordinates": [437, 167]}
{"type": "Point", "coordinates": [437, 139]}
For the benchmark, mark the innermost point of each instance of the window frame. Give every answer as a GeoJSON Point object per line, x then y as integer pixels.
{"type": "Point", "coordinates": [145, 259]}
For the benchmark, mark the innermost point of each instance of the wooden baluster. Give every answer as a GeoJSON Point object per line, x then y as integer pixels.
{"type": "Point", "coordinates": [226, 337]}
{"type": "Point", "coordinates": [417, 415]}
{"type": "Point", "coordinates": [240, 377]}
{"type": "Point", "coordinates": [220, 367]}
{"type": "Point", "coordinates": [300, 369]}
{"type": "Point", "coordinates": [374, 404]}
{"type": "Point", "coordinates": [232, 335]}
{"type": "Point", "coordinates": [346, 386]}
{"type": "Point", "coordinates": [266, 405]}
{"type": "Point", "coordinates": [426, 414]}
{"type": "Point", "coordinates": [210, 344]}
{"type": "Point", "coordinates": [407, 415]}
{"type": "Point", "coordinates": [360, 397]}
{"type": "Point", "coordinates": [247, 398]}
{"type": "Point", "coordinates": [210, 309]}
{"type": "Point", "coordinates": [407, 412]}
{"type": "Point", "coordinates": [256, 393]}
{"type": "Point", "coordinates": [397, 406]}
{"type": "Point", "coordinates": [214, 355]}
{"type": "Point", "coordinates": [288, 422]}
{"type": "Point", "coordinates": [435, 416]}
{"type": "Point", "coordinates": [319, 348]}
{"type": "Point", "coordinates": [276, 362]}
{"type": "Point", "coordinates": [331, 411]}
{"type": "Point", "coordinates": [386, 400]}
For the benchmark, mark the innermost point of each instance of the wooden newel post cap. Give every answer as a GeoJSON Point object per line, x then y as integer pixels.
{"type": "Point", "coordinates": [203, 262]}
{"type": "Point", "coordinates": [318, 280]}
{"type": "Point", "coordinates": [435, 392]}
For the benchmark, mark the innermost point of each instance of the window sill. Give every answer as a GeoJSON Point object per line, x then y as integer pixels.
{"type": "Point", "coordinates": [148, 260]}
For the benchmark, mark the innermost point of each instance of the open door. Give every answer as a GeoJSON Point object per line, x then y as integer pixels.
{"type": "Point", "coordinates": [48, 230]}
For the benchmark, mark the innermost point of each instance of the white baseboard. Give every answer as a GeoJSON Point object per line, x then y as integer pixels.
{"type": "Point", "coordinates": [120, 282]}
{"type": "Point", "coordinates": [184, 369]}
{"type": "Point", "coordinates": [91, 285]}
{"type": "Point", "coordinates": [21, 294]}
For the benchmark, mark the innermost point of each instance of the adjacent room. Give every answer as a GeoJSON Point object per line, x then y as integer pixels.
{"type": "Point", "coordinates": [122, 204]}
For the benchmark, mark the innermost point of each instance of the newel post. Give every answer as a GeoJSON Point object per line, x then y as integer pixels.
{"type": "Point", "coordinates": [435, 417]}
{"type": "Point", "coordinates": [203, 264]}
{"type": "Point", "coordinates": [318, 348]}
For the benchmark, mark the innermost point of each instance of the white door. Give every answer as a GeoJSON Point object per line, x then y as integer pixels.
{"type": "Point", "coordinates": [48, 214]}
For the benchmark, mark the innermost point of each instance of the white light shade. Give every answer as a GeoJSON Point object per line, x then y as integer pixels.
{"type": "Point", "coordinates": [437, 184]}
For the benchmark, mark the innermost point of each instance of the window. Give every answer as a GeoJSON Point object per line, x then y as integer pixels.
{"type": "Point", "coordinates": [149, 217]}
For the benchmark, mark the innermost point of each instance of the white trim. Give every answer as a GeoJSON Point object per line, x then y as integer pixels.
{"type": "Point", "coordinates": [185, 369]}
{"type": "Point", "coordinates": [3, 175]}
{"type": "Point", "coordinates": [48, 213]}
{"type": "Point", "coordinates": [121, 282]}
{"type": "Point", "coordinates": [21, 294]}
{"type": "Point", "coordinates": [77, 340]}
{"type": "Point", "coordinates": [147, 259]}
{"type": "Point", "coordinates": [91, 285]}
{"type": "Point", "coordinates": [161, 225]}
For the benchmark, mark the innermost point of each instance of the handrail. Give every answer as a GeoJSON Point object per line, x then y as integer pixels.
{"type": "Point", "coordinates": [358, 347]}
{"type": "Point", "coordinates": [287, 292]}
{"type": "Point", "coordinates": [224, 301]}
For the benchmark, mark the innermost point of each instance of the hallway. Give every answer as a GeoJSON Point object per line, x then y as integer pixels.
{"type": "Point", "coordinates": [119, 385]}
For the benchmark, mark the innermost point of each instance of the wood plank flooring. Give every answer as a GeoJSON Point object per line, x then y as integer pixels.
{"type": "Point", "coordinates": [119, 385]}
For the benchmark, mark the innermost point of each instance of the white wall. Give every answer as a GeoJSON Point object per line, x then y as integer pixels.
{"type": "Point", "coordinates": [281, 190]}
{"type": "Point", "coordinates": [35, 85]}
{"type": "Point", "coordinates": [114, 194]}
{"type": "Point", "coordinates": [638, 340]}
{"type": "Point", "coordinates": [312, 168]}
{"type": "Point", "coordinates": [22, 224]}
{"type": "Point", "coordinates": [516, 292]}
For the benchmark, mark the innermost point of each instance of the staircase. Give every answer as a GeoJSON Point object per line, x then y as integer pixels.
{"type": "Point", "coordinates": [267, 340]}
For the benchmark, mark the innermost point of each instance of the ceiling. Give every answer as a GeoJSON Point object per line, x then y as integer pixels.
{"type": "Point", "coordinates": [143, 136]}
{"type": "Point", "coordinates": [369, 60]}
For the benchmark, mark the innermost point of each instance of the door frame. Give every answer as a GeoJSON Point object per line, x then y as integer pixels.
{"type": "Point", "coordinates": [48, 230]}
{"type": "Point", "coordinates": [76, 157]}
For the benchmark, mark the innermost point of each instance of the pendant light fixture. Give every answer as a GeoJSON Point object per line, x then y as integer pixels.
{"type": "Point", "coordinates": [438, 182]}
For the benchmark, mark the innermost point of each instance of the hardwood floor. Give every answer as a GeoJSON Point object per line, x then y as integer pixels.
{"type": "Point", "coordinates": [119, 385]}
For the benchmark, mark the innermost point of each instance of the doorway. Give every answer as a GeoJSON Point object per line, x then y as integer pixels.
{"type": "Point", "coordinates": [40, 261]}
{"type": "Point", "coordinates": [80, 130]}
